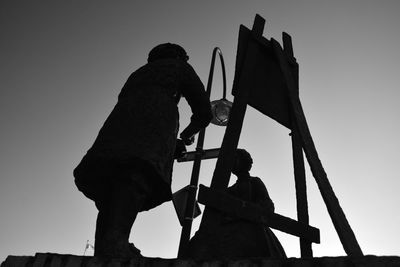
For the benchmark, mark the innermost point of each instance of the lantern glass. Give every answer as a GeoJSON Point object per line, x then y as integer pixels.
{"type": "Point", "coordinates": [221, 110]}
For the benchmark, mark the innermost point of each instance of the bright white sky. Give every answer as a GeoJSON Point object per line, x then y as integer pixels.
{"type": "Point", "coordinates": [63, 63]}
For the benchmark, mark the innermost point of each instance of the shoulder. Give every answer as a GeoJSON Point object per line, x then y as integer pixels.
{"type": "Point", "coordinates": [256, 181]}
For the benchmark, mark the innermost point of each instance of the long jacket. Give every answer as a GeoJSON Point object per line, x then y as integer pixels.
{"type": "Point", "coordinates": [142, 128]}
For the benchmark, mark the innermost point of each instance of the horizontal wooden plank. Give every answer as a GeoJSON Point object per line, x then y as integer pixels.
{"type": "Point", "coordinates": [206, 154]}
{"type": "Point", "coordinates": [253, 212]}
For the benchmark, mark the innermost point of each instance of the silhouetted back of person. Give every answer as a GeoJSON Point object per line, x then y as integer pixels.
{"type": "Point", "coordinates": [128, 169]}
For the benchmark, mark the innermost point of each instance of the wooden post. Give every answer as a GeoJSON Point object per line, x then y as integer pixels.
{"type": "Point", "coordinates": [225, 160]}
{"type": "Point", "coordinates": [336, 213]}
{"type": "Point", "coordinates": [298, 158]}
{"type": "Point", "coordinates": [194, 180]}
{"type": "Point", "coordinates": [191, 200]}
{"type": "Point", "coordinates": [301, 190]}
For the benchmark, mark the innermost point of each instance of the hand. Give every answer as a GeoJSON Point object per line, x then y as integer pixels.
{"type": "Point", "coordinates": [188, 141]}
{"type": "Point", "coordinates": [188, 134]}
{"type": "Point", "coordinates": [180, 148]}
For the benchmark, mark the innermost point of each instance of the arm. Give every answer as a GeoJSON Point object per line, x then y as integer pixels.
{"type": "Point", "coordinates": [262, 196]}
{"type": "Point", "coordinates": [193, 90]}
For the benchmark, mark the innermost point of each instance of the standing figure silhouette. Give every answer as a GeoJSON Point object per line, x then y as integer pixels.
{"type": "Point", "coordinates": [128, 169]}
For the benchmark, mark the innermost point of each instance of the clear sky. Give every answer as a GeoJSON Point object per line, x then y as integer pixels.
{"type": "Point", "coordinates": [63, 63]}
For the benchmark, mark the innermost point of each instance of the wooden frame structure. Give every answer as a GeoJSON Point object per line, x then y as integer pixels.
{"type": "Point", "coordinates": [266, 78]}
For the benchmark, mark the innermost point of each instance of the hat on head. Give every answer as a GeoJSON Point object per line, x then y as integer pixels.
{"type": "Point", "coordinates": [167, 50]}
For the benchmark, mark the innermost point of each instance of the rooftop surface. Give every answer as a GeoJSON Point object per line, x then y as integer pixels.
{"type": "Point", "coordinates": [60, 260]}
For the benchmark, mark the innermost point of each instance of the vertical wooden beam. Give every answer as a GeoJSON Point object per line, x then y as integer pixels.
{"type": "Point", "coordinates": [258, 26]}
{"type": "Point", "coordinates": [222, 172]}
{"type": "Point", "coordinates": [336, 213]}
{"type": "Point", "coordinates": [301, 191]}
{"type": "Point", "coordinates": [298, 158]}
{"type": "Point", "coordinates": [191, 199]}
{"type": "Point", "coordinates": [194, 180]}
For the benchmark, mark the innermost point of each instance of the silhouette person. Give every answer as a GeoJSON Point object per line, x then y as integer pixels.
{"type": "Point", "coordinates": [128, 168]}
{"type": "Point", "coordinates": [235, 237]}
{"type": "Point", "coordinates": [250, 239]}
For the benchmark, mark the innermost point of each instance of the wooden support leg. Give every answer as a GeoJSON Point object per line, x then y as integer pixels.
{"type": "Point", "coordinates": [298, 158]}
{"type": "Point", "coordinates": [225, 160]}
{"type": "Point", "coordinates": [301, 192]}
{"type": "Point", "coordinates": [336, 213]}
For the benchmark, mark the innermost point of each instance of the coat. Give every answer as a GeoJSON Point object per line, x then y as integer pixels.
{"type": "Point", "coordinates": [247, 238]}
{"type": "Point", "coordinates": [141, 131]}
{"type": "Point", "coordinates": [233, 237]}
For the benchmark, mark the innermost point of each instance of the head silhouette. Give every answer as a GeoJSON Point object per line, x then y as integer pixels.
{"type": "Point", "coordinates": [167, 50]}
{"type": "Point", "coordinates": [243, 162]}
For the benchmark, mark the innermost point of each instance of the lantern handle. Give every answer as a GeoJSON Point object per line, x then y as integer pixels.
{"type": "Point", "coordinates": [211, 75]}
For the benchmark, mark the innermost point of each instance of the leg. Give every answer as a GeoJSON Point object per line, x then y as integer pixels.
{"type": "Point", "coordinates": [117, 213]}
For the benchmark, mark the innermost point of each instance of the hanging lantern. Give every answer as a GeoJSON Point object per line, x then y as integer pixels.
{"type": "Point", "coordinates": [220, 110]}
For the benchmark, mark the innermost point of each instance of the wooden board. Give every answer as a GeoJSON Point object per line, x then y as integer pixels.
{"type": "Point", "coordinates": [268, 92]}
{"type": "Point", "coordinates": [246, 210]}
{"type": "Point", "coordinates": [205, 154]}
